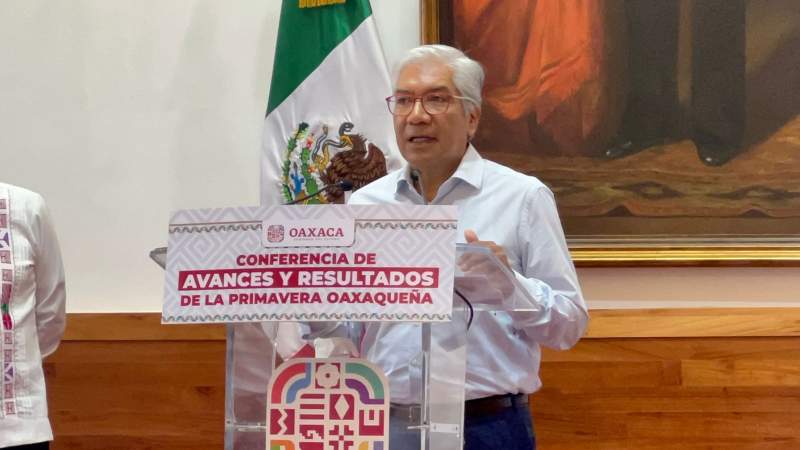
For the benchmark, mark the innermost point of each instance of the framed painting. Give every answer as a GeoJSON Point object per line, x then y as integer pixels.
{"type": "Point", "coordinates": [669, 130]}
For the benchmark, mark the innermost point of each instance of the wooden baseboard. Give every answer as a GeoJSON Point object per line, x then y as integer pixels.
{"type": "Point", "coordinates": [693, 322]}
{"type": "Point", "coordinates": [603, 324]}
{"type": "Point", "coordinates": [135, 327]}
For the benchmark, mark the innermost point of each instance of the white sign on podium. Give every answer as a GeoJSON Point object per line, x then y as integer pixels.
{"type": "Point", "coordinates": [310, 263]}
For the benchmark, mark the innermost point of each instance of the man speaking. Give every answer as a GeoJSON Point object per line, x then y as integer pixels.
{"type": "Point", "coordinates": [436, 107]}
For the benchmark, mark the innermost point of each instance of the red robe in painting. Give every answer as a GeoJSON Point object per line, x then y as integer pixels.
{"type": "Point", "coordinates": [547, 87]}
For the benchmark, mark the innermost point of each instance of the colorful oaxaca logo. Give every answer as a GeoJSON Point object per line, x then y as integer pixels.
{"type": "Point", "coordinates": [337, 403]}
{"type": "Point", "coordinates": [314, 160]}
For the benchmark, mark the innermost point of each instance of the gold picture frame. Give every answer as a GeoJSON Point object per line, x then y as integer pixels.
{"type": "Point", "coordinates": [662, 250]}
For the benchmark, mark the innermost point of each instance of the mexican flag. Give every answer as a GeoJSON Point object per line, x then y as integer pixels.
{"type": "Point", "coordinates": [326, 120]}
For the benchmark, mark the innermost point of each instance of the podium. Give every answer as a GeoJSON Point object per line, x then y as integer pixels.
{"type": "Point", "coordinates": [429, 413]}
{"type": "Point", "coordinates": [227, 266]}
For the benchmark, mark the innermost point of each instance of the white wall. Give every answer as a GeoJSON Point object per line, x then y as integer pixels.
{"type": "Point", "coordinates": [119, 112]}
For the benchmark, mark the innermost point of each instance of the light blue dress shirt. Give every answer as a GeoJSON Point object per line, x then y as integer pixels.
{"type": "Point", "coordinates": [517, 212]}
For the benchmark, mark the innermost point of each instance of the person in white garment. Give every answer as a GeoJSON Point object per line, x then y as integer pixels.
{"type": "Point", "coordinates": [32, 297]}
{"type": "Point", "coordinates": [436, 107]}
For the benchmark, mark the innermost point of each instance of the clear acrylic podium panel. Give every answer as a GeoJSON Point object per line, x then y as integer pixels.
{"type": "Point", "coordinates": [436, 375]}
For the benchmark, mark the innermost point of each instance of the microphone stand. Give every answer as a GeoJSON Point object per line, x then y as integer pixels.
{"type": "Point", "coordinates": [417, 179]}
{"type": "Point", "coordinates": [344, 185]}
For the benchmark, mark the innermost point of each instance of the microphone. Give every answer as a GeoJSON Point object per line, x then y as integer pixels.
{"type": "Point", "coordinates": [344, 185]}
{"type": "Point", "coordinates": [416, 177]}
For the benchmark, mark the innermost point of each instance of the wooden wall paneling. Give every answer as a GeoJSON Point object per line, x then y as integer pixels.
{"type": "Point", "coordinates": [677, 393]}
{"type": "Point", "coordinates": [728, 379]}
{"type": "Point", "coordinates": [108, 395]}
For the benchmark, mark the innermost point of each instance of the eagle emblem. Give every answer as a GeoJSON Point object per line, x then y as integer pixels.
{"type": "Point", "coordinates": [315, 161]}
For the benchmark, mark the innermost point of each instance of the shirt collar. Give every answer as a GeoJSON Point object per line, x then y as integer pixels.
{"type": "Point", "coordinates": [469, 170]}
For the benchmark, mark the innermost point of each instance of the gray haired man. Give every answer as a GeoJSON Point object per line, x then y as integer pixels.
{"type": "Point", "coordinates": [437, 107]}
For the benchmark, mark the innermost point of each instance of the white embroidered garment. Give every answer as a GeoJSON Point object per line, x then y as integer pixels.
{"type": "Point", "coordinates": [32, 315]}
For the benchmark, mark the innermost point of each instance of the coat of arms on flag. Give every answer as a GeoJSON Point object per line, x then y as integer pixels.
{"type": "Point", "coordinates": [316, 157]}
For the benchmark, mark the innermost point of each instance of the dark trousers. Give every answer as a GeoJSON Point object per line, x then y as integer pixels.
{"type": "Point", "coordinates": [509, 429]}
{"type": "Point", "coordinates": [717, 107]}
{"type": "Point", "coordinates": [39, 446]}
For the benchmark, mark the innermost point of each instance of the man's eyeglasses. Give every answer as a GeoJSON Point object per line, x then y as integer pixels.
{"type": "Point", "coordinates": [433, 103]}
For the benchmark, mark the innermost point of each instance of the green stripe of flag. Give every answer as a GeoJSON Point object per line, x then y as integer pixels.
{"type": "Point", "coordinates": [305, 37]}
